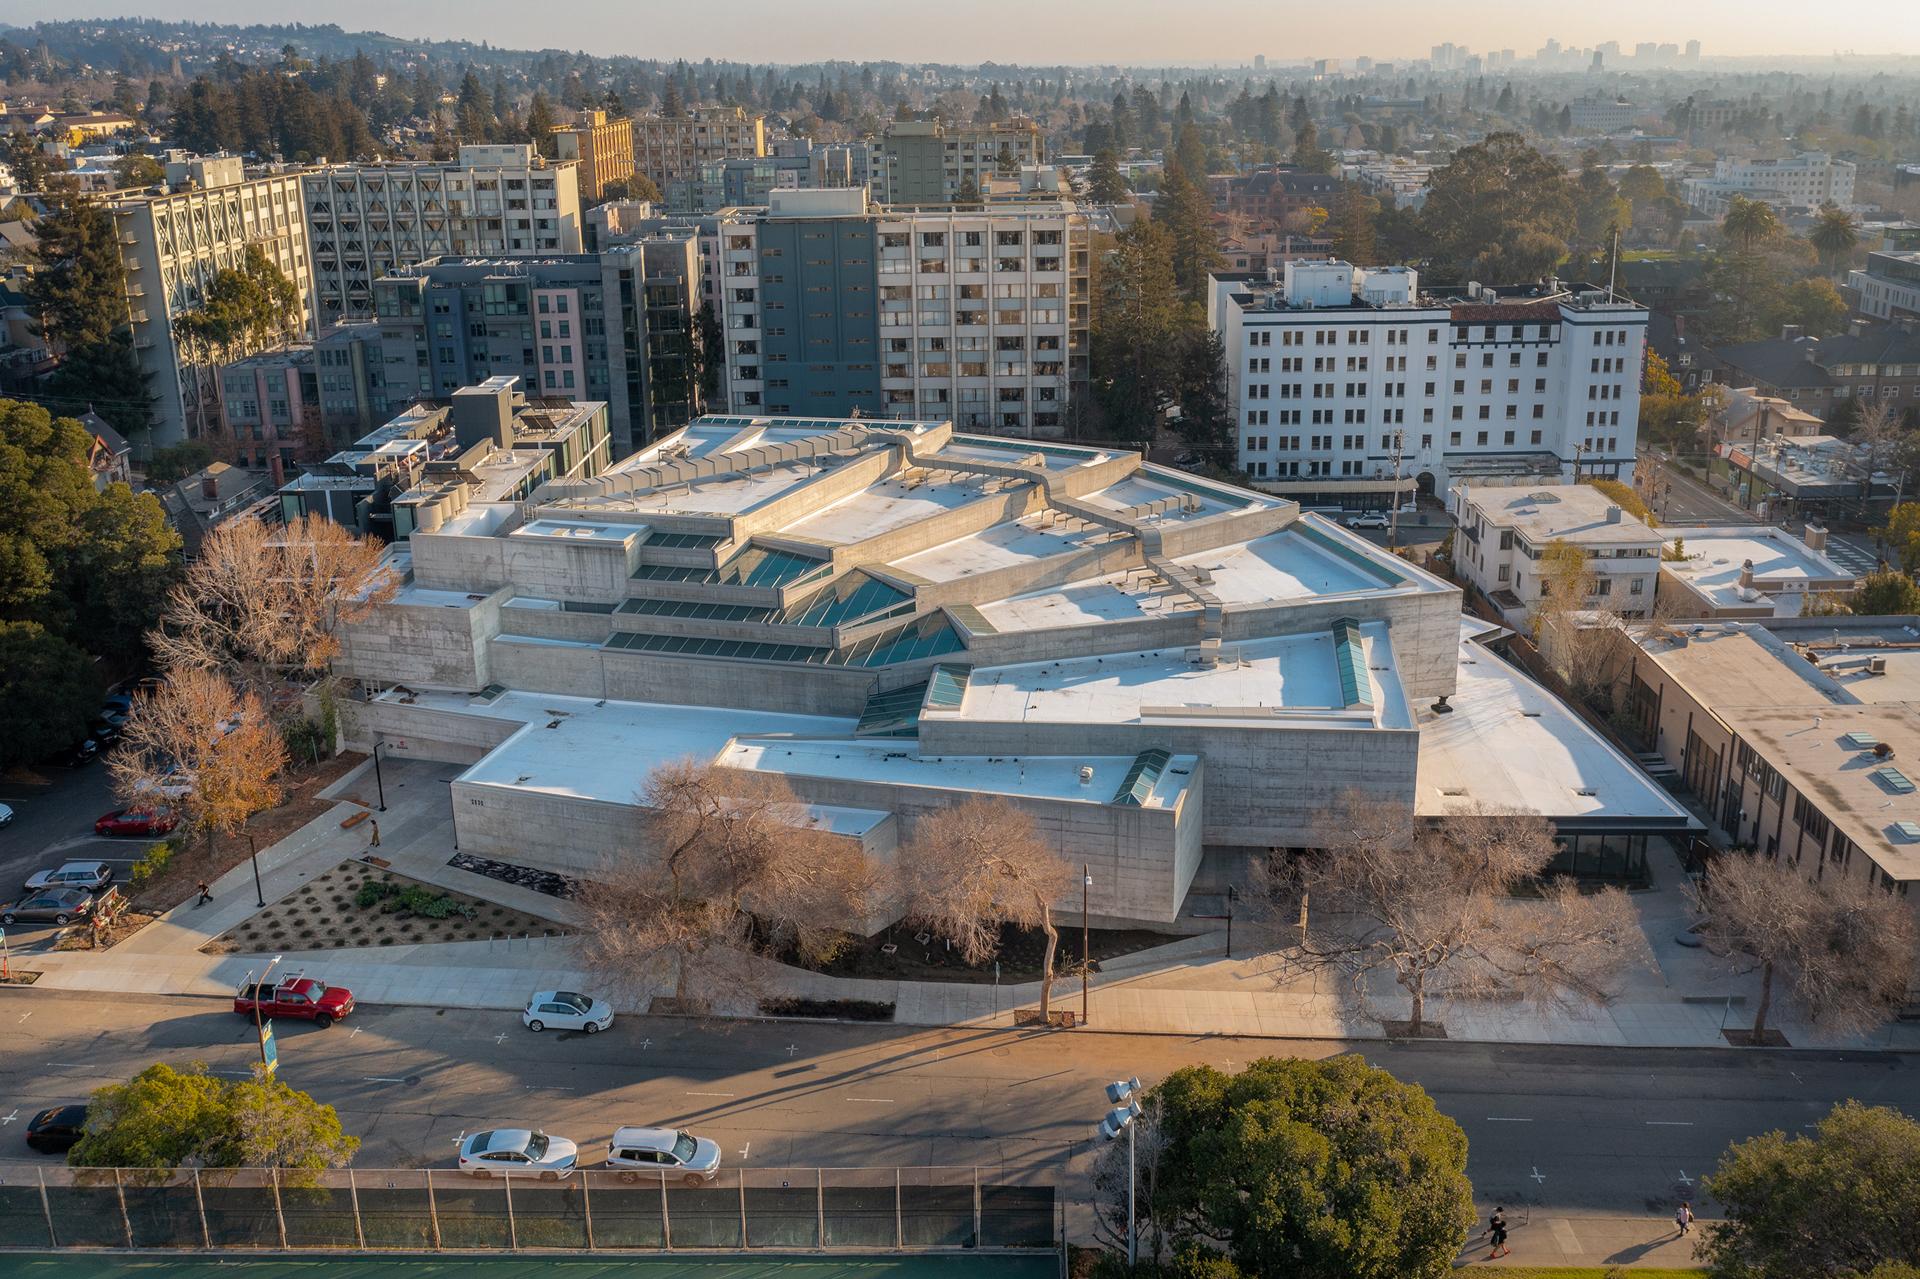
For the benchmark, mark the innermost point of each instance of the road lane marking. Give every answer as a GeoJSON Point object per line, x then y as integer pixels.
{"type": "Point", "coordinates": [1539, 1176]}
{"type": "Point", "coordinates": [1506, 1119]}
{"type": "Point", "coordinates": [356, 1030]}
{"type": "Point", "coordinates": [500, 1038]}
{"type": "Point", "coordinates": [709, 1094]}
{"type": "Point", "coordinates": [646, 1043]}
{"type": "Point", "coordinates": [237, 1073]}
{"type": "Point", "coordinates": [1669, 1123]}
{"type": "Point", "coordinates": [744, 1149]}
{"type": "Point", "coordinates": [1684, 1179]}
{"type": "Point", "coordinates": [26, 1014]}
{"type": "Point", "coordinates": [382, 1079]}
{"type": "Point", "coordinates": [7, 1119]}
{"type": "Point", "coordinates": [884, 1101]}
{"type": "Point", "coordinates": [792, 1049]}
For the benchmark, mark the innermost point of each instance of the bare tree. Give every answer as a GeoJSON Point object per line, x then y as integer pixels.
{"type": "Point", "coordinates": [729, 870]}
{"type": "Point", "coordinates": [260, 602]}
{"type": "Point", "coordinates": [1841, 950]}
{"type": "Point", "coordinates": [201, 747]}
{"type": "Point", "coordinates": [1880, 437]}
{"type": "Point", "coordinates": [1433, 904]}
{"type": "Point", "coordinates": [971, 869]}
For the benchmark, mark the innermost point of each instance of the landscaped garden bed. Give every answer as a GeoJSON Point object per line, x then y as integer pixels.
{"type": "Point", "coordinates": [904, 953]}
{"type": "Point", "coordinates": [360, 904]}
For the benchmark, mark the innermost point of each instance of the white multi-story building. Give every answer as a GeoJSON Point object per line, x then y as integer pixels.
{"type": "Point", "coordinates": [1504, 533]}
{"type": "Point", "coordinates": [173, 243]}
{"type": "Point", "coordinates": [1889, 289]}
{"type": "Point", "coordinates": [365, 220]}
{"type": "Point", "coordinates": [830, 304]}
{"type": "Point", "coordinates": [1601, 115]}
{"type": "Point", "coordinates": [1808, 180]}
{"type": "Point", "coordinates": [1349, 384]}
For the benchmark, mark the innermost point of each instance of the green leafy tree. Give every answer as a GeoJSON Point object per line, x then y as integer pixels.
{"type": "Point", "coordinates": [1902, 535]}
{"type": "Point", "coordinates": [137, 169]}
{"type": "Point", "coordinates": [48, 690]}
{"type": "Point", "coordinates": [1841, 1202]}
{"type": "Point", "coordinates": [1642, 185]}
{"type": "Point", "coordinates": [1749, 222]}
{"type": "Point", "coordinates": [166, 1118]}
{"type": "Point", "coordinates": [1599, 210]}
{"type": "Point", "coordinates": [44, 486]}
{"type": "Point", "coordinates": [119, 570]}
{"type": "Point", "coordinates": [79, 300]}
{"type": "Point", "coordinates": [1310, 1169]}
{"type": "Point", "coordinates": [1887, 594]}
{"type": "Point", "coordinates": [1499, 212]}
{"type": "Point", "coordinates": [244, 309]}
{"type": "Point", "coordinates": [1815, 305]}
{"type": "Point", "coordinates": [1105, 185]}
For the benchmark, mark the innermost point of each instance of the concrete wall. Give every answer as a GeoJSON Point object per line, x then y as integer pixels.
{"type": "Point", "coordinates": [566, 570]}
{"type": "Point", "coordinates": [453, 562]}
{"type": "Point", "coordinates": [429, 646]}
{"type": "Point", "coordinates": [556, 623]}
{"type": "Point", "coordinates": [417, 732]}
{"type": "Point", "coordinates": [1424, 627]}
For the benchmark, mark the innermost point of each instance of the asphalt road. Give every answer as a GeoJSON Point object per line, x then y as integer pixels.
{"type": "Point", "coordinates": [1570, 1130]}
{"type": "Point", "coordinates": [54, 824]}
{"type": "Point", "coordinates": [1680, 499]}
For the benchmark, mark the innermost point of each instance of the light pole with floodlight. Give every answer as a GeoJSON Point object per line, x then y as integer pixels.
{"type": "Point", "coordinates": [1126, 1109]}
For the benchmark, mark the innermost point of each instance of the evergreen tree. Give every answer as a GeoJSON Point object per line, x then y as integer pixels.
{"type": "Point", "coordinates": [540, 123]}
{"type": "Point", "coordinates": [1206, 416]}
{"type": "Point", "coordinates": [1353, 229]}
{"type": "Point", "coordinates": [1188, 216]}
{"type": "Point", "coordinates": [1136, 332]}
{"type": "Point", "coordinates": [1105, 185]}
{"type": "Point", "coordinates": [79, 297]}
{"type": "Point", "coordinates": [670, 105]}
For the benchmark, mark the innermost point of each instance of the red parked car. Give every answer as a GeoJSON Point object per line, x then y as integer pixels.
{"type": "Point", "coordinates": [136, 821]}
{"type": "Point", "coordinates": [303, 998]}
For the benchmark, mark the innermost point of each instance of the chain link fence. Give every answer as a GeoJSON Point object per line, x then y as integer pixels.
{"type": "Point", "coordinates": [415, 1210]}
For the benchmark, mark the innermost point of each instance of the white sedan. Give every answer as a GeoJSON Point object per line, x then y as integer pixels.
{"type": "Point", "coordinates": [566, 1010]}
{"type": "Point", "coordinates": [522, 1151]}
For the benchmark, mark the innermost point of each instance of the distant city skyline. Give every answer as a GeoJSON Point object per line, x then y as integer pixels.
{"type": "Point", "coordinates": [1074, 32]}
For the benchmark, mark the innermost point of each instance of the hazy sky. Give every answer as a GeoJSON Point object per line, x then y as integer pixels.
{"type": "Point", "coordinates": [1045, 32]}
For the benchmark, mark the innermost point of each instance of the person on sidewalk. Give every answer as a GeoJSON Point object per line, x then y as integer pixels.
{"type": "Point", "coordinates": [206, 895]}
{"type": "Point", "coordinates": [374, 827]}
{"type": "Point", "coordinates": [1683, 1217]}
{"type": "Point", "coordinates": [1497, 1228]}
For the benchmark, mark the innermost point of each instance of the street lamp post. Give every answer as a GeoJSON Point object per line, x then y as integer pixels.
{"type": "Point", "coordinates": [1126, 1109]}
{"type": "Point", "coordinates": [1086, 954]}
{"type": "Point", "coordinates": [253, 855]}
{"type": "Point", "coordinates": [377, 781]}
{"type": "Point", "coordinates": [1233, 895]}
{"type": "Point", "coordinates": [259, 1029]}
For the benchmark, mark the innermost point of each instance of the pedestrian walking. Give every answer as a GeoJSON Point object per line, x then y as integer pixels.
{"type": "Point", "coordinates": [375, 827]}
{"type": "Point", "coordinates": [1683, 1217]}
{"type": "Point", "coordinates": [1497, 1228]}
{"type": "Point", "coordinates": [206, 894]}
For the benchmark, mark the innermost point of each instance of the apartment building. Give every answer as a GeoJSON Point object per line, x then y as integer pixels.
{"type": "Point", "coordinates": [929, 162]}
{"type": "Point", "coordinates": [365, 220]}
{"type": "Point", "coordinates": [1889, 287]}
{"type": "Point", "coordinates": [1807, 181]}
{"type": "Point", "coordinates": [616, 326]}
{"type": "Point", "coordinates": [671, 149]}
{"type": "Point", "coordinates": [1601, 115]}
{"type": "Point", "coordinates": [1350, 384]}
{"type": "Point", "coordinates": [299, 402]}
{"type": "Point", "coordinates": [601, 147]}
{"type": "Point", "coordinates": [173, 242]}
{"type": "Point", "coordinates": [1748, 571]}
{"type": "Point", "coordinates": [1504, 533]}
{"type": "Point", "coordinates": [831, 305]}
{"type": "Point", "coordinates": [795, 164]}
{"type": "Point", "coordinates": [1797, 735]}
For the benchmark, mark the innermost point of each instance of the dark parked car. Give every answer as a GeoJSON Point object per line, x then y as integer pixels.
{"type": "Point", "coordinates": [107, 729]}
{"type": "Point", "coordinates": [58, 1130]}
{"type": "Point", "coordinates": [75, 755]}
{"type": "Point", "coordinates": [55, 906]}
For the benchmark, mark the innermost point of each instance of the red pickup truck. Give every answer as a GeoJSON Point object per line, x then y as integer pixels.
{"type": "Point", "coordinates": [306, 998]}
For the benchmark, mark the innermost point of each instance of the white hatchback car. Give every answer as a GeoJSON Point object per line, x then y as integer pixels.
{"type": "Point", "coordinates": [649, 1153]}
{"type": "Point", "coordinates": [518, 1151]}
{"type": "Point", "coordinates": [566, 1010]}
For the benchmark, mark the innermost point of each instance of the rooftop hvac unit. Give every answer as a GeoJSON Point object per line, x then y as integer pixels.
{"type": "Point", "coordinates": [1876, 666]}
{"type": "Point", "coordinates": [1086, 774]}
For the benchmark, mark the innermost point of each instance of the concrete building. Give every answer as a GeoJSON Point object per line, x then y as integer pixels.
{"type": "Point", "coordinates": [602, 149]}
{"type": "Point", "coordinates": [366, 220]}
{"type": "Point", "coordinates": [1602, 115]}
{"type": "Point", "coordinates": [1797, 735]}
{"type": "Point", "coordinates": [671, 149]}
{"type": "Point", "coordinates": [1807, 181]}
{"type": "Point", "coordinates": [173, 241]}
{"type": "Point", "coordinates": [796, 164]}
{"type": "Point", "coordinates": [616, 326]}
{"type": "Point", "coordinates": [929, 162]}
{"type": "Point", "coordinates": [1168, 675]}
{"type": "Point", "coordinates": [1504, 533]}
{"type": "Point", "coordinates": [1889, 287]}
{"type": "Point", "coordinates": [1350, 384]}
{"type": "Point", "coordinates": [1748, 571]}
{"type": "Point", "coordinates": [832, 305]}
{"type": "Point", "coordinates": [487, 444]}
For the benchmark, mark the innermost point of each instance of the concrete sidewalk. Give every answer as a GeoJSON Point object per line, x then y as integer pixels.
{"type": "Point", "coordinates": [1681, 997]}
{"type": "Point", "coordinates": [1597, 1241]}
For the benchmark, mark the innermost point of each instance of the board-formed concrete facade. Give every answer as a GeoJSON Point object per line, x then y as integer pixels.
{"type": "Point", "coordinates": [893, 617]}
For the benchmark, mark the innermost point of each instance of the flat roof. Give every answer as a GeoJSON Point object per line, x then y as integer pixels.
{"type": "Point", "coordinates": [1781, 563]}
{"type": "Point", "coordinates": [1295, 679]}
{"type": "Point", "coordinates": [1031, 537]}
{"type": "Point", "coordinates": [1575, 513]}
{"type": "Point", "coordinates": [1731, 665]}
{"type": "Point", "coordinates": [581, 531]}
{"type": "Point", "coordinates": [1055, 777]}
{"type": "Point", "coordinates": [1866, 796]}
{"type": "Point", "coordinates": [1511, 744]}
{"type": "Point", "coordinates": [891, 503]}
{"type": "Point", "coordinates": [577, 747]}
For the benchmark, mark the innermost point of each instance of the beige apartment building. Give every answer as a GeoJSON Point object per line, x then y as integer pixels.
{"type": "Point", "coordinates": [173, 244]}
{"type": "Point", "coordinates": [602, 148]}
{"type": "Point", "coordinates": [672, 148]}
{"type": "Point", "coordinates": [1801, 737]}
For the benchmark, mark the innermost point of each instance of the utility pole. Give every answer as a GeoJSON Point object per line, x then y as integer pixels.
{"type": "Point", "coordinates": [1393, 509]}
